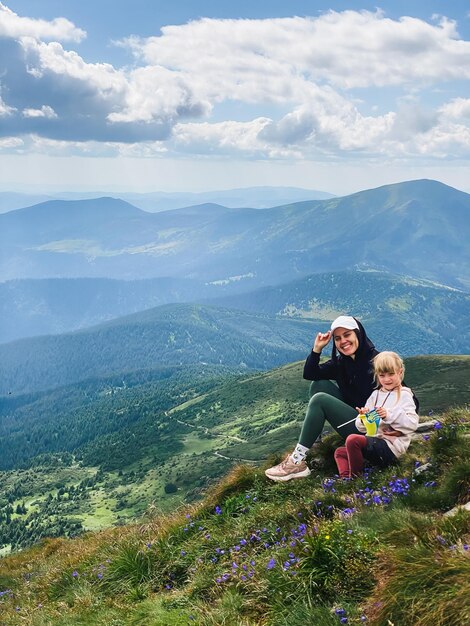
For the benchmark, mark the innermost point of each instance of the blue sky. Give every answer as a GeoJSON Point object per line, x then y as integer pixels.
{"type": "Point", "coordinates": [198, 95]}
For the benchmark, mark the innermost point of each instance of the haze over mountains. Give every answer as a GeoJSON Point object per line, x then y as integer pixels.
{"type": "Point", "coordinates": [397, 227]}
{"type": "Point", "coordinates": [169, 335]}
{"type": "Point", "coordinates": [420, 317]}
{"type": "Point", "coordinates": [254, 197]}
{"type": "Point", "coordinates": [241, 288]}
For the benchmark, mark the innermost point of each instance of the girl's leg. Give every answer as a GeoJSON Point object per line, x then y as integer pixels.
{"type": "Point", "coordinates": [355, 445]}
{"type": "Point", "coordinates": [378, 453]}
{"type": "Point", "coordinates": [342, 462]}
{"type": "Point", "coordinates": [325, 407]}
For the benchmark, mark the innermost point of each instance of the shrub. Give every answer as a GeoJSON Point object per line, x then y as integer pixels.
{"type": "Point", "coordinates": [338, 560]}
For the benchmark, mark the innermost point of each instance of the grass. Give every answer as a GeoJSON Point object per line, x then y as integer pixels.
{"type": "Point", "coordinates": [377, 550]}
{"type": "Point", "coordinates": [425, 587]}
{"type": "Point", "coordinates": [250, 418]}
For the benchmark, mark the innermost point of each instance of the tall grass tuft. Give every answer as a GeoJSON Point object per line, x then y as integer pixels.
{"type": "Point", "coordinates": [426, 586]}
{"type": "Point", "coordinates": [448, 440]}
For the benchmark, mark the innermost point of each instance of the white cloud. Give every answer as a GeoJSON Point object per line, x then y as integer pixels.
{"type": "Point", "coordinates": [459, 108]}
{"type": "Point", "coordinates": [445, 141]}
{"type": "Point", "coordinates": [301, 70]}
{"type": "Point", "coordinates": [7, 143]}
{"type": "Point", "coordinates": [51, 57]}
{"type": "Point", "coordinates": [223, 137]}
{"type": "Point", "coordinates": [5, 109]}
{"type": "Point", "coordinates": [14, 26]}
{"type": "Point", "coordinates": [158, 93]}
{"type": "Point", "coordinates": [329, 125]}
{"type": "Point", "coordinates": [349, 49]}
{"type": "Point", "coordinates": [44, 111]}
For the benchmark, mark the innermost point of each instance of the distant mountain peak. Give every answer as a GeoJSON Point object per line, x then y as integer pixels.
{"type": "Point", "coordinates": [105, 203]}
{"type": "Point", "coordinates": [421, 185]}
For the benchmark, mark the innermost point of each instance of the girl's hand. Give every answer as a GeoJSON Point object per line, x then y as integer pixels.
{"type": "Point", "coordinates": [321, 340]}
{"type": "Point", "coordinates": [382, 412]}
{"type": "Point", "coordinates": [362, 411]}
{"type": "Point", "coordinates": [393, 433]}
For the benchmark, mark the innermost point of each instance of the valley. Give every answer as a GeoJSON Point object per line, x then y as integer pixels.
{"type": "Point", "coordinates": [202, 430]}
{"type": "Point", "coordinates": [143, 355]}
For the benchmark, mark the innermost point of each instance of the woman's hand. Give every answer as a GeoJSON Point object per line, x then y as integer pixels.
{"type": "Point", "coordinates": [321, 340]}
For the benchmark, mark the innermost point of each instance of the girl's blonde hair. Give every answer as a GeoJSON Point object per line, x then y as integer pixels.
{"type": "Point", "coordinates": [389, 363]}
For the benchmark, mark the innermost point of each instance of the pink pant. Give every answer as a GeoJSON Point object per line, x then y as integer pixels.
{"type": "Point", "coordinates": [349, 459]}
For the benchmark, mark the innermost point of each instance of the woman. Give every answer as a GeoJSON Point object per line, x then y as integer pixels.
{"type": "Point", "coordinates": [351, 367]}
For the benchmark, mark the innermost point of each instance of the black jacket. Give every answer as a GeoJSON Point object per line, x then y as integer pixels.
{"type": "Point", "coordinates": [355, 377]}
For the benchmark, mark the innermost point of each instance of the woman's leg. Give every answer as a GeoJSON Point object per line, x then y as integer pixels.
{"type": "Point", "coordinates": [326, 407]}
{"type": "Point", "coordinates": [327, 386]}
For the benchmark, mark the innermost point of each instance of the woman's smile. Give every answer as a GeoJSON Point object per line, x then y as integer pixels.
{"type": "Point", "coordinates": [346, 341]}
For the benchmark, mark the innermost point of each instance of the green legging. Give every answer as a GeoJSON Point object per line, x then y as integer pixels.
{"type": "Point", "coordinates": [326, 405]}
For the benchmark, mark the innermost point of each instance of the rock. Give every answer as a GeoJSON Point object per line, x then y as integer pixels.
{"type": "Point", "coordinates": [422, 468]}
{"type": "Point", "coordinates": [425, 427]}
{"type": "Point", "coordinates": [457, 509]}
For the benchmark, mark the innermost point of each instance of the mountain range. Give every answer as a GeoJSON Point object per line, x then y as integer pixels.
{"type": "Point", "coordinates": [133, 350]}
{"type": "Point", "coordinates": [176, 334]}
{"type": "Point", "coordinates": [257, 330]}
{"type": "Point", "coordinates": [417, 228]}
{"type": "Point", "coordinates": [415, 316]}
{"type": "Point", "coordinates": [254, 197]}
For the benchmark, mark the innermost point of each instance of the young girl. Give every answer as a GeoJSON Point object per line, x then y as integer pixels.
{"type": "Point", "coordinates": [398, 420]}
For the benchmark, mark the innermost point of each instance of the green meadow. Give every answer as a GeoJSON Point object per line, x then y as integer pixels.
{"type": "Point", "coordinates": [378, 550]}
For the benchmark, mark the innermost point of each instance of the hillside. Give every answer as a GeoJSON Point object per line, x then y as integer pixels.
{"type": "Point", "coordinates": [376, 550]}
{"type": "Point", "coordinates": [423, 226]}
{"type": "Point", "coordinates": [423, 316]}
{"type": "Point", "coordinates": [58, 305]}
{"type": "Point", "coordinates": [168, 335]}
{"type": "Point", "coordinates": [100, 453]}
{"type": "Point", "coordinates": [264, 328]}
{"type": "Point", "coordinates": [412, 316]}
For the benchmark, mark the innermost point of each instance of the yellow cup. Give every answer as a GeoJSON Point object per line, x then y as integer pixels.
{"type": "Point", "coordinates": [371, 421]}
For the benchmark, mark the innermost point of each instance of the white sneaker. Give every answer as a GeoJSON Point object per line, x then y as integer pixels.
{"type": "Point", "coordinates": [288, 470]}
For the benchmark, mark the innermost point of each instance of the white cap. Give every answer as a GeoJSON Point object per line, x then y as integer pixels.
{"type": "Point", "coordinates": [344, 321]}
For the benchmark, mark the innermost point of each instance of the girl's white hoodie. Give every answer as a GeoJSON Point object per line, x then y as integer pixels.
{"type": "Point", "coordinates": [401, 417]}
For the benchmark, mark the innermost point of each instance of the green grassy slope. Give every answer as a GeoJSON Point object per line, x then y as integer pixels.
{"type": "Point", "coordinates": [182, 444]}
{"type": "Point", "coordinates": [376, 550]}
